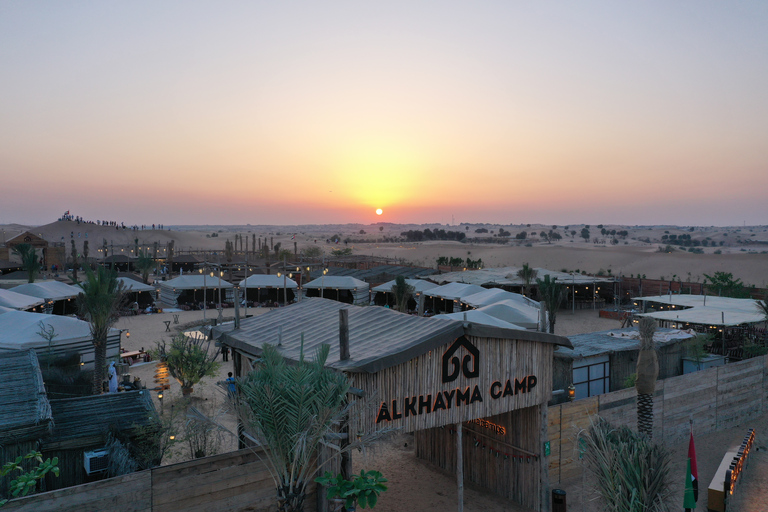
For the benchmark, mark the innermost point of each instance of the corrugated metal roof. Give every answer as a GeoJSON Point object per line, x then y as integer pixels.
{"type": "Point", "coordinates": [616, 340]}
{"type": "Point", "coordinates": [378, 337]}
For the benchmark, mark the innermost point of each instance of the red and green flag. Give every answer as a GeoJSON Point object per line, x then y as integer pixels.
{"type": "Point", "coordinates": [689, 501]}
{"type": "Point", "coordinates": [694, 476]}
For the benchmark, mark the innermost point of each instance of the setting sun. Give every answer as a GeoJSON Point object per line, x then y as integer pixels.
{"type": "Point", "coordinates": [379, 211]}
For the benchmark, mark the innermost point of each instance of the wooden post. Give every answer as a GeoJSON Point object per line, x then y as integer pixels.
{"type": "Point", "coordinates": [460, 465]}
{"type": "Point", "coordinates": [343, 334]}
{"type": "Point", "coordinates": [422, 298]}
{"type": "Point", "coordinates": [236, 292]}
{"type": "Point", "coordinates": [544, 500]}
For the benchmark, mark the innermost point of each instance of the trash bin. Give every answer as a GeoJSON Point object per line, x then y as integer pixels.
{"type": "Point", "coordinates": [558, 501]}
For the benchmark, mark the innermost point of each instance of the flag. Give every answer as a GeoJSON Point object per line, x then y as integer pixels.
{"type": "Point", "coordinates": [689, 502]}
{"type": "Point", "coordinates": [694, 471]}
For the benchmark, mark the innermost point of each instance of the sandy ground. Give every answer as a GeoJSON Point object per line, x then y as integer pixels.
{"type": "Point", "coordinates": [424, 487]}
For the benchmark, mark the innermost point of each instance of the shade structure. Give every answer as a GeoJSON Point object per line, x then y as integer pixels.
{"type": "Point", "coordinates": [136, 291]}
{"type": "Point", "coordinates": [478, 317]}
{"type": "Point", "coordinates": [448, 297]}
{"type": "Point", "coordinates": [3, 309]}
{"type": "Point", "coordinates": [269, 288]}
{"type": "Point", "coordinates": [342, 288]}
{"type": "Point", "coordinates": [13, 300]}
{"type": "Point", "coordinates": [48, 290]}
{"type": "Point", "coordinates": [701, 310]}
{"type": "Point", "coordinates": [193, 287]}
{"type": "Point", "coordinates": [514, 313]}
{"type": "Point", "coordinates": [19, 330]}
{"type": "Point", "coordinates": [132, 285]}
{"type": "Point", "coordinates": [62, 295]}
{"type": "Point", "coordinates": [494, 295]}
{"type": "Point", "coordinates": [384, 296]}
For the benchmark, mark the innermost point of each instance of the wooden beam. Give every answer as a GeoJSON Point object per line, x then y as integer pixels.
{"type": "Point", "coordinates": [460, 465]}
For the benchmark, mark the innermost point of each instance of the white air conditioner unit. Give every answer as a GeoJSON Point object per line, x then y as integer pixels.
{"type": "Point", "coordinates": [95, 461]}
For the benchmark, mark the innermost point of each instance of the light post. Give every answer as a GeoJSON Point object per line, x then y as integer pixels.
{"type": "Point", "coordinates": [322, 283]}
{"type": "Point", "coordinates": [205, 290]}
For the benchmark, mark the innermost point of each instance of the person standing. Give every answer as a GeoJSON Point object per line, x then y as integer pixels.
{"type": "Point", "coordinates": [225, 353]}
{"type": "Point", "coordinates": [231, 385]}
{"type": "Point", "coordinates": [112, 378]}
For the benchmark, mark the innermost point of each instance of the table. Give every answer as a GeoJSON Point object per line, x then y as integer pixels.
{"type": "Point", "coordinates": [167, 325]}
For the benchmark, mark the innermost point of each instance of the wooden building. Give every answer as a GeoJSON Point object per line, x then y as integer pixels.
{"type": "Point", "coordinates": [471, 393]}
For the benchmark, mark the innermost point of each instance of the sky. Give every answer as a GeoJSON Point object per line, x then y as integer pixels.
{"type": "Point", "coordinates": [295, 112]}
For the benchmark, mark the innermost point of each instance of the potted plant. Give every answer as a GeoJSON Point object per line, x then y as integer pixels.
{"type": "Point", "coordinates": [363, 489]}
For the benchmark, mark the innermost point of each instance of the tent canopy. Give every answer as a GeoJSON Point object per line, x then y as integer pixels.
{"type": "Point", "coordinates": [478, 317]}
{"type": "Point", "coordinates": [419, 286]}
{"type": "Point", "coordinates": [453, 291]}
{"type": "Point", "coordinates": [194, 282]}
{"type": "Point", "coordinates": [18, 301]}
{"type": "Point", "coordinates": [132, 285]}
{"type": "Point", "coordinates": [53, 290]}
{"type": "Point", "coordinates": [514, 313]}
{"type": "Point", "coordinates": [338, 283]}
{"type": "Point", "coordinates": [494, 295]}
{"type": "Point", "coordinates": [268, 281]}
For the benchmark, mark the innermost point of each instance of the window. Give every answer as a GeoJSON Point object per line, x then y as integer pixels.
{"type": "Point", "coordinates": [592, 379]}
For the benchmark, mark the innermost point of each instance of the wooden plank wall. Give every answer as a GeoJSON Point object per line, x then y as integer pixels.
{"type": "Point", "coordinates": [232, 481]}
{"type": "Point", "coordinates": [716, 399]}
{"type": "Point", "coordinates": [515, 477]}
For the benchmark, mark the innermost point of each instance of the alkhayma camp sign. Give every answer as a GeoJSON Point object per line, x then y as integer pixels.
{"type": "Point", "coordinates": [454, 366]}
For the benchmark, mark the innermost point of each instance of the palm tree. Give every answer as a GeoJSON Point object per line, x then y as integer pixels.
{"type": "Point", "coordinates": [762, 307]}
{"type": "Point", "coordinates": [144, 264]}
{"type": "Point", "coordinates": [403, 293]}
{"type": "Point", "coordinates": [647, 373]}
{"type": "Point", "coordinates": [527, 274]}
{"type": "Point", "coordinates": [552, 294]}
{"type": "Point", "coordinates": [28, 260]}
{"type": "Point", "coordinates": [99, 303]}
{"type": "Point", "coordinates": [290, 408]}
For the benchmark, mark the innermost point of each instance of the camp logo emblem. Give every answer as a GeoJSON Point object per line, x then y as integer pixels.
{"type": "Point", "coordinates": [452, 365]}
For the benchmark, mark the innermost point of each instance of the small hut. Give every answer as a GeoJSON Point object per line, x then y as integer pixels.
{"type": "Point", "coordinates": [26, 413]}
{"type": "Point", "coordinates": [81, 425]}
{"type": "Point", "coordinates": [344, 289]}
{"type": "Point", "coordinates": [457, 385]}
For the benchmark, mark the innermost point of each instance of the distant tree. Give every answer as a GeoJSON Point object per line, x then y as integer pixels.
{"type": "Point", "coordinates": [403, 293]}
{"type": "Point", "coordinates": [312, 252]}
{"type": "Point", "coordinates": [99, 303]}
{"type": "Point", "coordinates": [527, 274]}
{"type": "Point", "coordinates": [726, 285]}
{"type": "Point", "coordinates": [381, 228]}
{"type": "Point", "coordinates": [573, 233]}
{"type": "Point", "coordinates": [554, 235]}
{"type": "Point", "coordinates": [277, 247]}
{"type": "Point", "coordinates": [28, 260]}
{"type": "Point", "coordinates": [544, 236]}
{"type": "Point", "coordinates": [552, 294]}
{"type": "Point", "coordinates": [521, 235]}
{"type": "Point", "coordinates": [362, 232]}
{"type": "Point", "coordinates": [585, 234]}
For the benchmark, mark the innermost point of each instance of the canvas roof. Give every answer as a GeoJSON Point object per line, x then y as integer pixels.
{"type": "Point", "coordinates": [48, 290]}
{"type": "Point", "coordinates": [494, 295]}
{"type": "Point", "coordinates": [718, 311]}
{"type": "Point", "coordinates": [477, 316]}
{"type": "Point", "coordinates": [18, 330]}
{"type": "Point", "coordinates": [269, 281]}
{"type": "Point", "coordinates": [617, 340]}
{"type": "Point", "coordinates": [195, 281]}
{"type": "Point", "coordinates": [419, 285]}
{"type": "Point", "coordinates": [338, 283]}
{"type": "Point", "coordinates": [14, 300]}
{"type": "Point", "coordinates": [514, 313]}
{"type": "Point", "coordinates": [26, 412]}
{"type": "Point", "coordinates": [3, 309]}
{"type": "Point", "coordinates": [378, 337]}
{"type": "Point", "coordinates": [453, 291]}
{"type": "Point", "coordinates": [508, 276]}
{"type": "Point", "coordinates": [133, 285]}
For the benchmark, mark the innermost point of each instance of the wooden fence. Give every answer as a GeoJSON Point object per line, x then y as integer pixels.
{"type": "Point", "coordinates": [235, 481]}
{"type": "Point", "coordinates": [717, 399]}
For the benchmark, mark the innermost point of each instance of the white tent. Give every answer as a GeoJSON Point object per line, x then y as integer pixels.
{"type": "Point", "coordinates": [18, 301]}
{"type": "Point", "coordinates": [195, 283]}
{"type": "Point", "coordinates": [132, 285]}
{"type": "Point", "coordinates": [48, 290]}
{"type": "Point", "coordinates": [268, 281]}
{"type": "Point", "coordinates": [330, 287]}
{"type": "Point", "coordinates": [514, 313]}
{"type": "Point", "coordinates": [419, 286]}
{"type": "Point", "coordinates": [19, 331]}
{"type": "Point", "coordinates": [452, 292]}
{"type": "Point", "coordinates": [5, 310]}
{"type": "Point", "coordinates": [478, 317]}
{"type": "Point", "coordinates": [494, 295]}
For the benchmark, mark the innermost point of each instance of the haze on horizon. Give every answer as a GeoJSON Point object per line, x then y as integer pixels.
{"type": "Point", "coordinates": [311, 113]}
